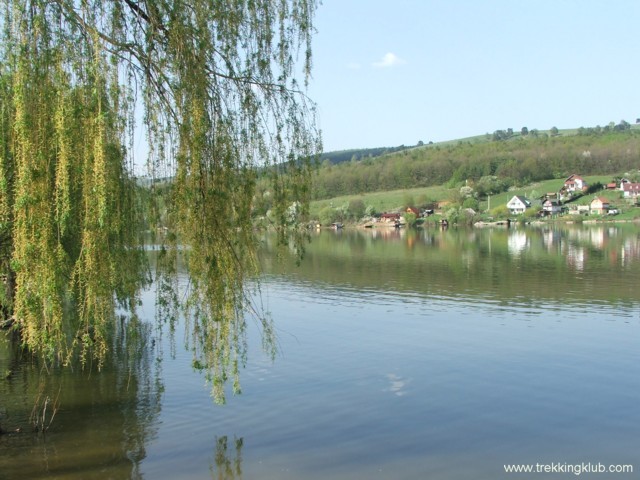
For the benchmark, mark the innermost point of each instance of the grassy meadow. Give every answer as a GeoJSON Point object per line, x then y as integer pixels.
{"type": "Point", "coordinates": [387, 201]}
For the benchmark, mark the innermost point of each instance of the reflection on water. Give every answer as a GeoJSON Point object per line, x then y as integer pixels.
{"type": "Point", "coordinates": [403, 354]}
{"type": "Point", "coordinates": [100, 423]}
{"type": "Point", "coordinates": [227, 459]}
{"type": "Point", "coordinates": [541, 267]}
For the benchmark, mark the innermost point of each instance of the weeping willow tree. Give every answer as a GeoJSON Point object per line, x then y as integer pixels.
{"type": "Point", "coordinates": [216, 86]}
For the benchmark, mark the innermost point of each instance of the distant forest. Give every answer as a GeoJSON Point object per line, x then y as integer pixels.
{"type": "Point", "coordinates": [514, 159]}
{"type": "Point", "coordinates": [341, 156]}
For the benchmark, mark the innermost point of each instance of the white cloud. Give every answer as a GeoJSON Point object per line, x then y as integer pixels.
{"type": "Point", "coordinates": [388, 60]}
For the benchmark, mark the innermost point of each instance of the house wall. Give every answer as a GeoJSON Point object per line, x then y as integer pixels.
{"type": "Point", "coordinates": [599, 207]}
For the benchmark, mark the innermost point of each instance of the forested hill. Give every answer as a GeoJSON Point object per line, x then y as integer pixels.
{"type": "Point", "coordinates": [516, 159]}
{"type": "Point", "coordinates": [340, 156]}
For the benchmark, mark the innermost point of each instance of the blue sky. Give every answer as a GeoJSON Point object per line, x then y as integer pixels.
{"type": "Point", "coordinates": [388, 73]}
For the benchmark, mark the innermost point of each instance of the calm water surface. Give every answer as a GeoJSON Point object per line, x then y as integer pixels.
{"type": "Point", "coordinates": [402, 355]}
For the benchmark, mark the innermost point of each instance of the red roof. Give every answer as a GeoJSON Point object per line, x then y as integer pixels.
{"type": "Point", "coordinates": [573, 177]}
{"type": "Point", "coordinates": [631, 187]}
{"type": "Point", "coordinates": [413, 210]}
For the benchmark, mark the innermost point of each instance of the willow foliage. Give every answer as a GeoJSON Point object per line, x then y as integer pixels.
{"type": "Point", "coordinates": [215, 85]}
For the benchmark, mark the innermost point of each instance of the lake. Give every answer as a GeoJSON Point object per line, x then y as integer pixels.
{"type": "Point", "coordinates": [426, 354]}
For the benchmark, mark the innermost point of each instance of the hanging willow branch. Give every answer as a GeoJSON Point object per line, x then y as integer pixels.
{"type": "Point", "coordinates": [221, 105]}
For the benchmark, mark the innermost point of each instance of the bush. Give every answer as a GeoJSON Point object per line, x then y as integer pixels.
{"type": "Point", "coordinates": [471, 203]}
{"type": "Point", "coordinates": [530, 213]}
{"type": "Point", "coordinates": [356, 209]}
{"type": "Point", "coordinates": [328, 215]}
{"type": "Point", "coordinates": [410, 218]}
{"type": "Point", "coordinates": [501, 211]}
{"type": "Point", "coordinates": [370, 211]}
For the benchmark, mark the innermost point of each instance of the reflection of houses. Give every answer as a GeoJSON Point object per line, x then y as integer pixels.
{"type": "Point", "coordinates": [630, 251]}
{"type": "Point", "coordinates": [599, 205]}
{"type": "Point", "coordinates": [598, 237]}
{"type": "Point", "coordinates": [518, 204]}
{"type": "Point", "coordinates": [575, 183]}
{"type": "Point", "coordinates": [517, 242]}
{"type": "Point", "coordinates": [552, 240]}
{"type": "Point", "coordinates": [576, 257]}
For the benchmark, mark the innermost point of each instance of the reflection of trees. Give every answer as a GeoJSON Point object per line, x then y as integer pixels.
{"type": "Point", "coordinates": [135, 348]}
{"type": "Point", "coordinates": [227, 461]}
{"type": "Point", "coordinates": [504, 264]}
{"type": "Point", "coordinates": [104, 420]}
{"type": "Point", "coordinates": [215, 311]}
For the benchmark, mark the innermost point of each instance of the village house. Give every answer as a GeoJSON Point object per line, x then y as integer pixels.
{"type": "Point", "coordinates": [579, 210]}
{"type": "Point", "coordinates": [622, 182]}
{"type": "Point", "coordinates": [518, 204]}
{"type": "Point", "coordinates": [630, 190]}
{"type": "Point", "coordinates": [575, 183]}
{"type": "Point", "coordinates": [390, 217]}
{"type": "Point", "coordinates": [413, 210]}
{"type": "Point", "coordinates": [599, 205]}
{"type": "Point", "coordinates": [551, 206]}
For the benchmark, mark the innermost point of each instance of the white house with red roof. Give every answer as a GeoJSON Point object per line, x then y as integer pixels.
{"type": "Point", "coordinates": [575, 183]}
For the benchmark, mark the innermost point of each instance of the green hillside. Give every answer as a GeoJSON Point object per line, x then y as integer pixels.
{"type": "Point", "coordinates": [515, 159]}
{"type": "Point", "coordinates": [481, 172]}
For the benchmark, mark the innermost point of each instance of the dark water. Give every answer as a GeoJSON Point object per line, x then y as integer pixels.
{"type": "Point", "coordinates": [402, 355]}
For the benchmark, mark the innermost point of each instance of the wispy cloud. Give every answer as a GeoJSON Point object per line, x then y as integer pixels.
{"type": "Point", "coordinates": [353, 66]}
{"type": "Point", "coordinates": [388, 60]}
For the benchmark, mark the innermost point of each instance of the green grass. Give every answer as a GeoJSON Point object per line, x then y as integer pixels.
{"type": "Point", "coordinates": [384, 201]}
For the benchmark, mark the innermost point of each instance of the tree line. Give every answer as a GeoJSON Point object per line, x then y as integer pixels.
{"type": "Point", "coordinates": [340, 156]}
